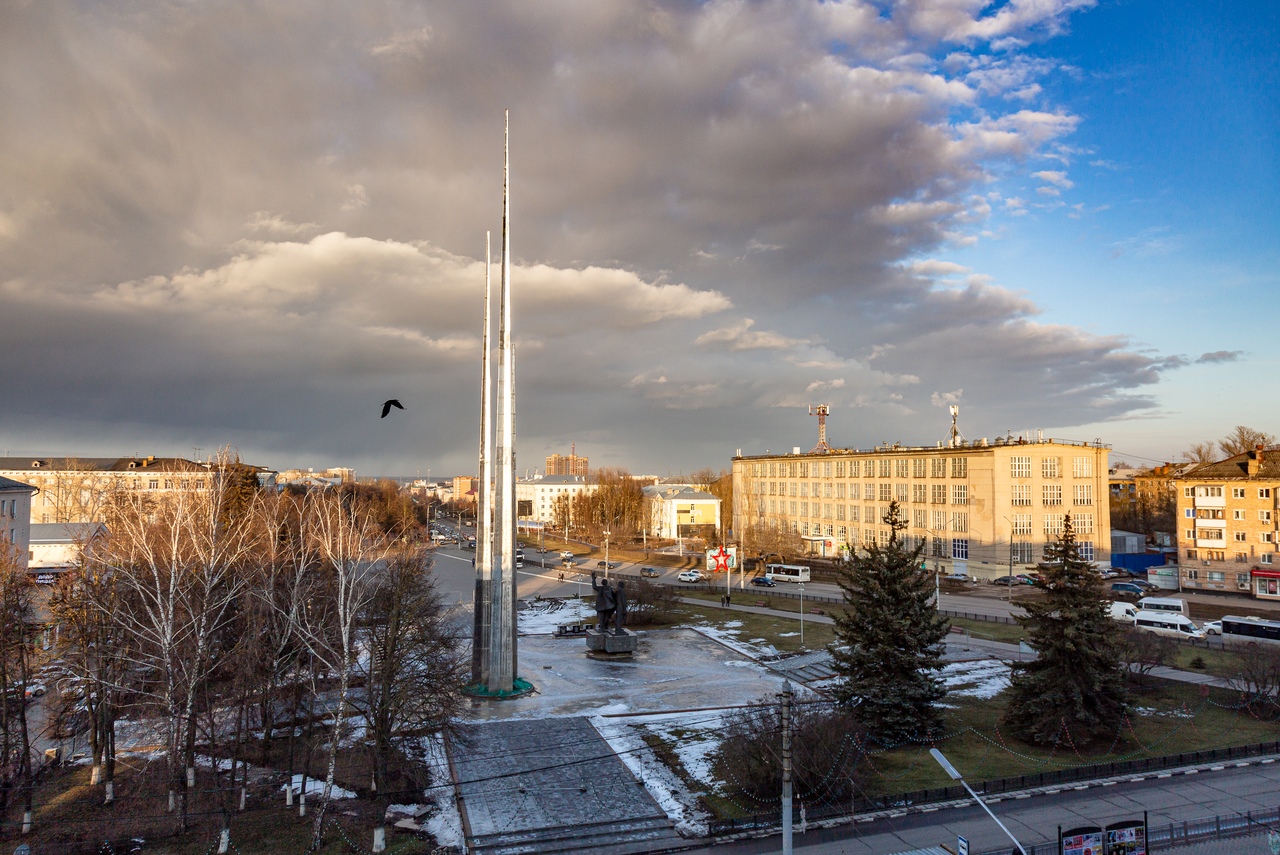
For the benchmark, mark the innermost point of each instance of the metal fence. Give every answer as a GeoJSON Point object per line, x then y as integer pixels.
{"type": "Point", "coordinates": [1185, 833]}
{"type": "Point", "coordinates": [1002, 785]}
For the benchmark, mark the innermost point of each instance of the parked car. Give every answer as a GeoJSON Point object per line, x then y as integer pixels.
{"type": "Point", "coordinates": [1007, 581]}
{"type": "Point", "coordinates": [1127, 590]}
{"type": "Point", "coordinates": [1212, 627]}
{"type": "Point", "coordinates": [764, 582]}
{"type": "Point", "coordinates": [690, 576]}
{"type": "Point", "coordinates": [1030, 578]}
{"type": "Point", "coordinates": [567, 555]}
{"type": "Point", "coordinates": [607, 565]}
{"type": "Point", "coordinates": [650, 572]}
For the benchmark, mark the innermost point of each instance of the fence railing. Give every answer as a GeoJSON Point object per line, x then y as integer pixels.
{"type": "Point", "coordinates": [1185, 833]}
{"type": "Point", "coordinates": [1000, 785]}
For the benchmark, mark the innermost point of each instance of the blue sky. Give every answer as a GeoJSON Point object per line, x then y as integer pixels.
{"type": "Point", "coordinates": [230, 224]}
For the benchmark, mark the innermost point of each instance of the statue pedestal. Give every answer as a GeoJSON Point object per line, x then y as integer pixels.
{"type": "Point", "coordinates": [607, 645]}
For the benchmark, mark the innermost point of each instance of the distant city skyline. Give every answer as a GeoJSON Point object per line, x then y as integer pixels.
{"type": "Point", "coordinates": [248, 226]}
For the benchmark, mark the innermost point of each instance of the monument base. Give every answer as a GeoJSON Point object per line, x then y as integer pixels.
{"type": "Point", "coordinates": [607, 645]}
{"type": "Point", "coordinates": [519, 689]}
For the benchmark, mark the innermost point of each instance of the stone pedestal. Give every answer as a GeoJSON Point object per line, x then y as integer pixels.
{"type": "Point", "coordinates": [607, 644]}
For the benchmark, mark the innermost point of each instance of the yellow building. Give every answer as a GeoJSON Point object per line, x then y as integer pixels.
{"type": "Point", "coordinates": [983, 507]}
{"type": "Point", "coordinates": [1227, 524]}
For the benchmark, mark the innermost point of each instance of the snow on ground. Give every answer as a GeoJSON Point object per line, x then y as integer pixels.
{"type": "Point", "coordinates": [542, 616]}
{"type": "Point", "coordinates": [727, 635]}
{"type": "Point", "coordinates": [981, 678]}
{"type": "Point", "coordinates": [444, 823]}
{"type": "Point", "coordinates": [677, 802]}
{"type": "Point", "coordinates": [694, 737]}
{"type": "Point", "coordinates": [1149, 711]}
{"type": "Point", "coordinates": [315, 787]}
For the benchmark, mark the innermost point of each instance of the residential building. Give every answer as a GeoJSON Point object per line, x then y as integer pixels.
{"type": "Point", "coordinates": [464, 489]}
{"type": "Point", "coordinates": [1124, 493]}
{"type": "Point", "coordinates": [681, 511]}
{"type": "Point", "coordinates": [1228, 520]}
{"type": "Point", "coordinates": [15, 517]}
{"type": "Point", "coordinates": [550, 498]}
{"type": "Point", "coordinates": [56, 547]}
{"type": "Point", "coordinates": [74, 489]}
{"type": "Point", "coordinates": [572, 465]}
{"type": "Point", "coordinates": [983, 508]}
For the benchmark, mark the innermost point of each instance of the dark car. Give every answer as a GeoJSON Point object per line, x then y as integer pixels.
{"type": "Point", "coordinates": [764, 582]}
{"type": "Point", "coordinates": [610, 565]}
{"type": "Point", "coordinates": [1127, 591]}
{"type": "Point", "coordinates": [649, 572]}
{"type": "Point", "coordinates": [1007, 581]}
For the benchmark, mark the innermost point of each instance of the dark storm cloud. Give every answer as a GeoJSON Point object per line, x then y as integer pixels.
{"type": "Point", "coordinates": [251, 223]}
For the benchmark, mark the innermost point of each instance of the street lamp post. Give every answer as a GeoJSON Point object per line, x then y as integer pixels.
{"type": "Point", "coordinates": [606, 554]}
{"type": "Point", "coordinates": [937, 566]}
{"type": "Point", "coordinates": [955, 775]}
{"type": "Point", "coordinates": [802, 615]}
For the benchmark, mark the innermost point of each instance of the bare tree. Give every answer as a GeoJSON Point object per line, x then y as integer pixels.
{"type": "Point", "coordinates": [1244, 439]}
{"type": "Point", "coordinates": [17, 622]}
{"type": "Point", "coordinates": [1144, 651]}
{"type": "Point", "coordinates": [1200, 452]}
{"type": "Point", "coordinates": [1257, 679]}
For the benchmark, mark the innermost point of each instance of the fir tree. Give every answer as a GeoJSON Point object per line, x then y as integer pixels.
{"type": "Point", "coordinates": [1074, 692]}
{"type": "Point", "coordinates": [889, 641]}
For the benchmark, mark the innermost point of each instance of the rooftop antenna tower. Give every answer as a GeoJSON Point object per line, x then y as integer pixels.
{"type": "Point", "coordinates": [955, 438]}
{"type": "Point", "coordinates": [821, 411]}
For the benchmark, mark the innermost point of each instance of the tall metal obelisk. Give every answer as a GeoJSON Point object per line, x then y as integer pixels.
{"type": "Point", "coordinates": [484, 500]}
{"type": "Point", "coordinates": [494, 663]}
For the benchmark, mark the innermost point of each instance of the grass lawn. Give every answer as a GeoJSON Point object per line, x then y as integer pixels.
{"type": "Point", "coordinates": [782, 632]}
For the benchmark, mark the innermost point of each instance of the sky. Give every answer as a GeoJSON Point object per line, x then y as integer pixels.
{"type": "Point", "coordinates": [245, 225]}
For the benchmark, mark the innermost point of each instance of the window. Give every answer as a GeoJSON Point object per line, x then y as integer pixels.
{"type": "Point", "coordinates": [1209, 492]}
{"type": "Point", "coordinates": [793, 509]}
{"type": "Point", "coordinates": [1191, 553]}
{"type": "Point", "coordinates": [1050, 467]}
{"type": "Point", "coordinates": [886, 467]}
{"type": "Point", "coordinates": [804, 490]}
{"type": "Point", "coordinates": [854, 466]}
{"type": "Point", "coordinates": [920, 493]}
{"type": "Point", "coordinates": [1189, 492]}
{"type": "Point", "coordinates": [886, 492]}
{"type": "Point", "coordinates": [1022, 553]}
{"type": "Point", "coordinates": [1237, 514]}
{"type": "Point", "coordinates": [840, 468]}
{"type": "Point", "coordinates": [1242, 558]}
{"type": "Point", "coordinates": [1265, 557]}
{"type": "Point", "coordinates": [884, 536]}
{"type": "Point", "coordinates": [918, 467]}
{"type": "Point", "coordinates": [826, 490]}
{"type": "Point", "coordinates": [1082, 467]}
{"type": "Point", "coordinates": [840, 491]}
{"type": "Point", "coordinates": [804, 469]}
{"type": "Point", "coordinates": [960, 468]}
{"type": "Point", "coordinates": [1264, 492]}
{"type": "Point", "coordinates": [939, 520]}
{"type": "Point", "coordinates": [1217, 576]}
{"type": "Point", "coordinates": [1189, 513]}
{"type": "Point", "coordinates": [1193, 575]}
{"type": "Point", "coordinates": [826, 511]}
{"type": "Point", "coordinates": [900, 493]}
{"type": "Point", "coordinates": [1268, 537]}
{"type": "Point", "coordinates": [1021, 495]}
{"type": "Point", "coordinates": [901, 467]}
{"type": "Point", "coordinates": [153, 485]}
{"type": "Point", "coordinates": [1209, 514]}
{"type": "Point", "coordinates": [1082, 494]}
{"type": "Point", "coordinates": [1264, 516]}
{"type": "Point", "coordinates": [1083, 523]}
{"type": "Point", "coordinates": [1237, 492]}
{"type": "Point", "coordinates": [1191, 533]}
{"type": "Point", "coordinates": [960, 522]}
{"type": "Point", "coordinates": [1241, 536]}
{"type": "Point", "coordinates": [853, 513]}
{"type": "Point", "coordinates": [804, 509]}
{"type": "Point", "coordinates": [959, 494]}
{"type": "Point", "coordinates": [960, 548]}
{"type": "Point", "coordinates": [1086, 550]}
{"type": "Point", "coordinates": [937, 547]}
{"type": "Point", "coordinates": [794, 487]}
{"type": "Point", "coordinates": [826, 470]}
{"type": "Point", "coordinates": [1053, 524]}
{"type": "Point", "coordinates": [938, 494]}
{"type": "Point", "coordinates": [920, 519]}
{"type": "Point", "coordinates": [937, 467]}
{"type": "Point", "coordinates": [1021, 524]}
{"type": "Point", "coordinates": [1215, 555]}
{"type": "Point", "coordinates": [1210, 534]}
{"type": "Point", "coordinates": [1052, 494]}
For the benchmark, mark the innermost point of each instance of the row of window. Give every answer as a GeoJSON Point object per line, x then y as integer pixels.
{"type": "Point", "coordinates": [1211, 492]}
{"type": "Point", "coordinates": [884, 467]}
{"type": "Point", "coordinates": [1221, 534]}
{"type": "Point", "coordinates": [956, 521]}
{"type": "Point", "coordinates": [1221, 514]}
{"type": "Point", "coordinates": [933, 494]}
{"type": "Point", "coordinates": [1221, 555]}
{"type": "Point", "coordinates": [936, 546]}
{"type": "Point", "coordinates": [1051, 467]}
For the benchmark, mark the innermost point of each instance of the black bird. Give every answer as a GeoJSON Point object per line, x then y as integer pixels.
{"type": "Point", "coordinates": [387, 405]}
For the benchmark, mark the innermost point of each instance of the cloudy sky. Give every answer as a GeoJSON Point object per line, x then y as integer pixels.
{"type": "Point", "coordinates": [247, 224]}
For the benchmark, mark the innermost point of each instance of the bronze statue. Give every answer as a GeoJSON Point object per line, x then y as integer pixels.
{"type": "Point", "coordinates": [606, 603]}
{"type": "Point", "coordinates": [620, 599]}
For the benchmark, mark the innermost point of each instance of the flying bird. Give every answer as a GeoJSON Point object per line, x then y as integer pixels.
{"type": "Point", "coordinates": [387, 405]}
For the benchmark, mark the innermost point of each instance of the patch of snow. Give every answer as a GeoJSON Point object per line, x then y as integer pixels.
{"type": "Point", "coordinates": [787, 634]}
{"type": "Point", "coordinates": [315, 787]}
{"type": "Point", "coordinates": [731, 624]}
{"type": "Point", "coordinates": [726, 638]}
{"type": "Point", "coordinates": [981, 678]}
{"type": "Point", "coordinates": [1150, 711]}
{"type": "Point", "coordinates": [541, 617]}
{"type": "Point", "coordinates": [675, 799]}
{"type": "Point", "coordinates": [444, 823]}
{"type": "Point", "coordinates": [695, 738]}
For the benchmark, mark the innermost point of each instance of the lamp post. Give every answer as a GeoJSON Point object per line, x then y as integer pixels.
{"type": "Point", "coordinates": [606, 554]}
{"type": "Point", "coordinates": [802, 615]}
{"type": "Point", "coordinates": [937, 567]}
{"type": "Point", "coordinates": [1008, 588]}
{"type": "Point", "coordinates": [955, 775]}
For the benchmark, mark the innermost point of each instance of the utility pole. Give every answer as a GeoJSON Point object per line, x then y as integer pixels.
{"type": "Point", "coordinates": [787, 695]}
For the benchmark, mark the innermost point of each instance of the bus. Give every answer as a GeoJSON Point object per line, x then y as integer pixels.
{"type": "Point", "coordinates": [1249, 629]}
{"type": "Point", "coordinates": [786, 572]}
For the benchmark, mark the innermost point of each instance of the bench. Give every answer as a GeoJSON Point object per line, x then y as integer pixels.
{"type": "Point", "coordinates": [816, 612]}
{"type": "Point", "coordinates": [762, 603]}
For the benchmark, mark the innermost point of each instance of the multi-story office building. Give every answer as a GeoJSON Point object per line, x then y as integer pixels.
{"type": "Point", "coordinates": [74, 489]}
{"type": "Point", "coordinates": [1227, 524]}
{"type": "Point", "coordinates": [550, 498]}
{"type": "Point", "coordinates": [982, 507]}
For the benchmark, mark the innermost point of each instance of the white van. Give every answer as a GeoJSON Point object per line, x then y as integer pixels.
{"type": "Point", "coordinates": [1167, 623]}
{"type": "Point", "coordinates": [1163, 604]}
{"type": "Point", "coordinates": [1126, 612]}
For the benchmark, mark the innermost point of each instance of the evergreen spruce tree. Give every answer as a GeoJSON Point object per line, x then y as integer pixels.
{"type": "Point", "coordinates": [1074, 692]}
{"type": "Point", "coordinates": [889, 641]}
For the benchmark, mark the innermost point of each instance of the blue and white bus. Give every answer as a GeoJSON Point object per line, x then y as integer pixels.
{"type": "Point", "coordinates": [1243, 630]}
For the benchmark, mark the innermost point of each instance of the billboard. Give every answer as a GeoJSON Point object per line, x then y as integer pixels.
{"type": "Point", "coordinates": [1127, 838]}
{"type": "Point", "coordinates": [1086, 840]}
{"type": "Point", "coordinates": [722, 559]}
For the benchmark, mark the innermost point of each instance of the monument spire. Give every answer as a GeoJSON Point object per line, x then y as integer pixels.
{"type": "Point", "coordinates": [484, 497]}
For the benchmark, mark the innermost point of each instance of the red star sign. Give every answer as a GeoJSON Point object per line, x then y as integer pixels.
{"type": "Point", "coordinates": [721, 558]}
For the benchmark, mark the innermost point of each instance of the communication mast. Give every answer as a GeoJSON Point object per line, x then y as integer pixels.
{"type": "Point", "coordinates": [821, 411]}
{"type": "Point", "coordinates": [956, 437]}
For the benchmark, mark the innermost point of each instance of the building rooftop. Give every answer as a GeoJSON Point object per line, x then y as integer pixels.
{"type": "Point", "coordinates": [1259, 463]}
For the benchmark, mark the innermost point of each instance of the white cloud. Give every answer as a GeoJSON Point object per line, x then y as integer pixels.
{"type": "Point", "coordinates": [1056, 178]}
{"type": "Point", "coordinates": [742, 337]}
